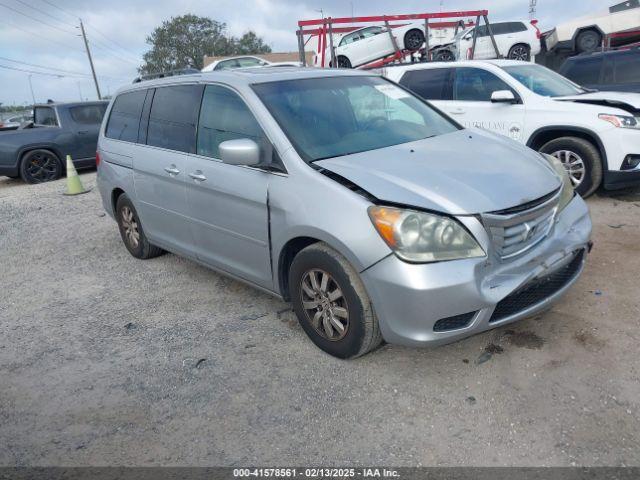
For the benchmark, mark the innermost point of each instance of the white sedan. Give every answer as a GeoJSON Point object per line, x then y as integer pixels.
{"type": "Point", "coordinates": [245, 62]}
{"type": "Point", "coordinates": [367, 44]}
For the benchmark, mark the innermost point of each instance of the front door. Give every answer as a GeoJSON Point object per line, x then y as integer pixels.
{"type": "Point", "coordinates": [228, 203]}
{"type": "Point", "coordinates": [472, 106]}
{"type": "Point", "coordinates": [160, 166]}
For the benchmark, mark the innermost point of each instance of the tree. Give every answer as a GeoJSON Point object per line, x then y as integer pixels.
{"type": "Point", "coordinates": [184, 41]}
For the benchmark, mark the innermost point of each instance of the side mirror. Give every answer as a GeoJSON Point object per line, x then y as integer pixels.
{"type": "Point", "coordinates": [503, 96]}
{"type": "Point", "coordinates": [240, 152]}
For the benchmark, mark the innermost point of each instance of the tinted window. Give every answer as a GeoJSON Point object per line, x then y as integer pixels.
{"type": "Point", "coordinates": [249, 62]}
{"type": "Point", "coordinates": [508, 27]}
{"type": "Point", "coordinates": [173, 117]}
{"type": "Point", "coordinates": [125, 116]}
{"type": "Point", "coordinates": [227, 65]}
{"type": "Point", "coordinates": [432, 83]}
{"type": "Point", "coordinates": [224, 116]}
{"type": "Point", "coordinates": [476, 85]}
{"type": "Point", "coordinates": [336, 116]}
{"type": "Point", "coordinates": [585, 71]}
{"type": "Point", "coordinates": [542, 81]}
{"type": "Point", "coordinates": [45, 116]}
{"type": "Point", "coordinates": [627, 67]}
{"type": "Point", "coordinates": [88, 114]}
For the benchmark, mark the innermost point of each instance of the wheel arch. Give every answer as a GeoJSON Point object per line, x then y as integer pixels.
{"type": "Point", "coordinates": [115, 194]}
{"type": "Point", "coordinates": [40, 146]}
{"type": "Point", "coordinates": [546, 134]}
{"type": "Point", "coordinates": [594, 27]}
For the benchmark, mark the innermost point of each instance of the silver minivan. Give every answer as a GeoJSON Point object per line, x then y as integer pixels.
{"type": "Point", "coordinates": [373, 213]}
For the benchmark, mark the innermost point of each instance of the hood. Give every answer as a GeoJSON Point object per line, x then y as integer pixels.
{"type": "Point", "coordinates": [461, 173]}
{"type": "Point", "coordinates": [629, 102]}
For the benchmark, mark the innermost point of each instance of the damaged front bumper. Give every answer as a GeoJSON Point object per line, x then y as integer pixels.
{"type": "Point", "coordinates": [437, 303]}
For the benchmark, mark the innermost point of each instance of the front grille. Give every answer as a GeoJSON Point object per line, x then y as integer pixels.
{"type": "Point", "coordinates": [516, 231]}
{"type": "Point", "coordinates": [538, 290]}
{"type": "Point", "coordinates": [453, 323]}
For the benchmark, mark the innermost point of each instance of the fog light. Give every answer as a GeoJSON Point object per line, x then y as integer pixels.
{"type": "Point", "coordinates": [630, 162]}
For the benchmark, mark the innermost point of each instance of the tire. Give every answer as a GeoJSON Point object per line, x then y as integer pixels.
{"type": "Point", "coordinates": [39, 166]}
{"type": "Point", "coordinates": [588, 41]}
{"type": "Point", "coordinates": [343, 62]}
{"type": "Point", "coordinates": [129, 224]}
{"type": "Point", "coordinates": [445, 56]}
{"type": "Point", "coordinates": [361, 332]}
{"type": "Point", "coordinates": [413, 39]}
{"type": "Point", "coordinates": [571, 150]}
{"type": "Point", "coordinates": [520, 52]}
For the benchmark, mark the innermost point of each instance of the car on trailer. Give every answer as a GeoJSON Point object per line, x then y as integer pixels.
{"type": "Point", "coordinates": [376, 215]}
{"type": "Point", "coordinates": [36, 151]}
{"type": "Point", "coordinates": [596, 135]}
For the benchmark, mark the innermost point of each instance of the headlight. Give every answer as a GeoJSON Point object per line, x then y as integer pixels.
{"type": "Point", "coordinates": [423, 237]}
{"type": "Point", "coordinates": [620, 121]}
{"type": "Point", "coordinates": [567, 187]}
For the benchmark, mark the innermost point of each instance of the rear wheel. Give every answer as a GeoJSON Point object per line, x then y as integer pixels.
{"type": "Point", "coordinates": [520, 52]}
{"type": "Point", "coordinates": [343, 62]}
{"type": "Point", "coordinates": [588, 41]}
{"type": "Point", "coordinates": [131, 230]}
{"type": "Point", "coordinates": [331, 303]}
{"type": "Point", "coordinates": [413, 39]}
{"type": "Point", "coordinates": [582, 161]}
{"type": "Point", "coordinates": [39, 166]}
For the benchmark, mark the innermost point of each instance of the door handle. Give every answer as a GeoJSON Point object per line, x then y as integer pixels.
{"type": "Point", "coordinates": [83, 132]}
{"type": "Point", "coordinates": [172, 170]}
{"type": "Point", "coordinates": [458, 111]}
{"type": "Point", "coordinates": [197, 175]}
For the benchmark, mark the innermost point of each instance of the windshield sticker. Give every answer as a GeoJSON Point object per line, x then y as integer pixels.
{"type": "Point", "coordinates": [392, 91]}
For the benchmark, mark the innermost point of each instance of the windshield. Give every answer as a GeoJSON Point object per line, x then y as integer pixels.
{"type": "Point", "coordinates": [543, 81]}
{"type": "Point", "coordinates": [336, 116]}
{"type": "Point", "coordinates": [462, 33]}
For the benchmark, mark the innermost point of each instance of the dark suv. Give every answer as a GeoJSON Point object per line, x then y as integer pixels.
{"type": "Point", "coordinates": [616, 70]}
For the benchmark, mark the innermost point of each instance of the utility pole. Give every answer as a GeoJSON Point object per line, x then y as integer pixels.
{"type": "Point", "coordinates": [93, 70]}
{"type": "Point", "coordinates": [532, 9]}
{"type": "Point", "coordinates": [33, 97]}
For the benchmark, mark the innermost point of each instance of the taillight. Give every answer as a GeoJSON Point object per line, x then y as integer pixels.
{"type": "Point", "coordinates": [97, 158]}
{"type": "Point", "coordinates": [535, 25]}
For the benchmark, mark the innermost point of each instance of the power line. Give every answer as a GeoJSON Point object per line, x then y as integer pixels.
{"type": "Point", "coordinates": [32, 71]}
{"type": "Point", "coordinates": [40, 35]}
{"type": "Point", "coordinates": [128, 52]}
{"type": "Point", "coordinates": [38, 20]}
{"type": "Point", "coordinates": [57, 75]}
{"type": "Point", "coordinates": [45, 67]}
{"type": "Point", "coordinates": [45, 13]}
{"type": "Point", "coordinates": [111, 52]}
{"type": "Point", "coordinates": [60, 8]}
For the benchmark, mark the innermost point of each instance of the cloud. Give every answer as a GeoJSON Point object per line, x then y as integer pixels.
{"type": "Point", "coordinates": [127, 23]}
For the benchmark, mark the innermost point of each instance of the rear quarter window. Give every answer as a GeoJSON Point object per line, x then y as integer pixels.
{"type": "Point", "coordinates": [585, 71]}
{"type": "Point", "coordinates": [124, 119]}
{"type": "Point", "coordinates": [627, 68]}
{"type": "Point", "coordinates": [45, 116]}
{"type": "Point", "coordinates": [430, 84]}
{"type": "Point", "coordinates": [88, 114]}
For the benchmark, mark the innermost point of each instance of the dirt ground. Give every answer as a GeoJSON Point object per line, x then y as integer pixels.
{"type": "Point", "coordinates": [108, 360]}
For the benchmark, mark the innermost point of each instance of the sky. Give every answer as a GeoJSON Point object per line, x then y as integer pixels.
{"type": "Point", "coordinates": [44, 33]}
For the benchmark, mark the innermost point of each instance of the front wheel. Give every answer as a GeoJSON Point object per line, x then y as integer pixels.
{"type": "Point", "coordinates": [131, 230]}
{"type": "Point", "coordinates": [39, 166]}
{"type": "Point", "coordinates": [331, 303]}
{"type": "Point", "coordinates": [588, 41]}
{"type": "Point", "coordinates": [581, 160]}
{"type": "Point", "coordinates": [343, 62]}
{"type": "Point", "coordinates": [445, 56]}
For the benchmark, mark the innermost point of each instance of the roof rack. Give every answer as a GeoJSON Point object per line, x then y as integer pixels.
{"type": "Point", "coordinates": [168, 73]}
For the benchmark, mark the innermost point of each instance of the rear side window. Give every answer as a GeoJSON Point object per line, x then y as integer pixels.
{"type": "Point", "coordinates": [88, 114]}
{"type": "Point", "coordinates": [173, 118]}
{"type": "Point", "coordinates": [430, 84]}
{"type": "Point", "coordinates": [45, 116]}
{"type": "Point", "coordinates": [124, 119]}
{"type": "Point", "coordinates": [476, 85]}
{"type": "Point", "coordinates": [224, 116]}
{"type": "Point", "coordinates": [585, 71]}
{"type": "Point", "coordinates": [627, 68]}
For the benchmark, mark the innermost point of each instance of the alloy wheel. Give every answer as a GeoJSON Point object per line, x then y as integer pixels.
{"type": "Point", "coordinates": [324, 304]}
{"type": "Point", "coordinates": [520, 53]}
{"type": "Point", "coordinates": [42, 167]}
{"type": "Point", "coordinates": [573, 164]}
{"type": "Point", "coordinates": [414, 40]}
{"type": "Point", "coordinates": [130, 227]}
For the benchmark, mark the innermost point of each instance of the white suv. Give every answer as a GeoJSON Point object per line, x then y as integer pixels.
{"type": "Point", "coordinates": [515, 40]}
{"type": "Point", "coordinates": [595, 134]}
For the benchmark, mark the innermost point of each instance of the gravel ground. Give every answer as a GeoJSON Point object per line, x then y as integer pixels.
{"type": "Point", "coordinates": [108, 360]}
